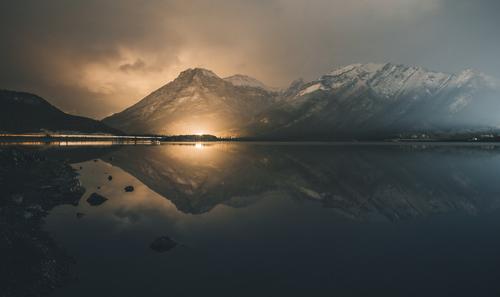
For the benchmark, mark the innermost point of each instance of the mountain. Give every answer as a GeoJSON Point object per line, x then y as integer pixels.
{"type": "Point", "coordinates": [359, 101]}
{"type": "Point", "coordinates": [247, 81]}
{"type": "Point", "coordinates": [370, 101]}
{"type": "Point", "coordinates": [24, 113]}
{"type": "Point", "coordinates": [196, 102]}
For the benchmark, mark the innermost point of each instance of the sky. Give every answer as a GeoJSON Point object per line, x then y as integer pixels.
{"type": "Point", "coordinates": [97, 57]}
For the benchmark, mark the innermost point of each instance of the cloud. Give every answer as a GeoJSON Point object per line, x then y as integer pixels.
{"type": "Point", "coordinates": [136, 66]}
{"type": "Point", "coordinates": [97, 57]}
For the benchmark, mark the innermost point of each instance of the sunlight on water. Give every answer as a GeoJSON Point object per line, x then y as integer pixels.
{"type": "Point", "coordinates": [291, 216]}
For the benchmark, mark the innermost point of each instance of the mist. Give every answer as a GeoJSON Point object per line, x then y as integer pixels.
{"type": "Point", "coordinates": [95, 58]}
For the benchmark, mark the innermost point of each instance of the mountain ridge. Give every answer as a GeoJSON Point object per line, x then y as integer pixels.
{"type": "Point", "coordinates": [380, 101]}
{"type": "Point", "coordinates": [248, 81]}
{"type": "Point", "coordinates": [196, 102]}
{"type": "Point", "coordinates": [357, 101]}
{"type": "Point", "coordinates": [23, 112]}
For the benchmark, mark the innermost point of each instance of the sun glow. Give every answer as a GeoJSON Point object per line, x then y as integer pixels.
{"type": "Point", "coordinates": [198, 146]}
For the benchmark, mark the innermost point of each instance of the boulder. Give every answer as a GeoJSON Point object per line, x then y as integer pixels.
{"type": "Point", "coordinates": [96, 199]}
{"type": "Point", "coordinates": [163, 244]}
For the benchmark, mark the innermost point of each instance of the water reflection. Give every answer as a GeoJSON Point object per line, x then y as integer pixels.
{"type": "Point", "coordinates": [226, 219]}
{"type": "Point", "coordinates": [287, 220]}
{"type": "Point", "coordinates": [361, 182]}
{"type": "Point", "coordinates": [197, 177]}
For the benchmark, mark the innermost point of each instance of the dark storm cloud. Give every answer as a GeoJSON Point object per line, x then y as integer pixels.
{"type": "Point", "coordinates": [97, 57]}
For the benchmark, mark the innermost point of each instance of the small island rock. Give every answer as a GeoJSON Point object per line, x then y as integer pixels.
{"type": "Point", "coordinates": [163, 244]}
{"type": "Point", "coordinates": [96, 199]}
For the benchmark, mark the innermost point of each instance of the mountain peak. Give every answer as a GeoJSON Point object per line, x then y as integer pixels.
{"type": "Point", "coordinates": [357, 99]}
{"type": "Point", "coordinates": [477, 77]}
{"type": "Point", "coordinates": [241, 80]}
{"type": "Point", "coordinates": [196, 102]}
{"type": "Point", "coordinates": [357, 69]}
{"type": "Point", "coordinates": [197, 72]}
{"type": "Point", "coordinates": [367, 70]}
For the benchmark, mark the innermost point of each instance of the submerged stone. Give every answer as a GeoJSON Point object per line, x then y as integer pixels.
{"type": "Point", "coordinates": [163, 244]}
{"type": "Point", "coordinates": [96, 199]}
{"type": "Point", "coordinates": [18, 199]}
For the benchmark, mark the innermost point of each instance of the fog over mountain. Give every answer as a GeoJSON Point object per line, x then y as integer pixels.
{"type": "Point", "coordinates": [196, 102]}
{"type": "Point", "coordinates": [383, 100]}
{"type": "Point", "coordinates": [358, 101]}
{"type": "Point", "coordinates": [98, 57]}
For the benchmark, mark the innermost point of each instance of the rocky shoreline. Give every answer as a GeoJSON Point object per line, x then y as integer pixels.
{"type": "Point", "coordinates": [31, 185]}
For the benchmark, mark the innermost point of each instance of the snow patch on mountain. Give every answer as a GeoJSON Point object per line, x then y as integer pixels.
{"type": "Point", "coordinates": [391, 80]}
{"type": "Point", "coordinates": [197, 100]}
{"type": "Point", "coordinates": [459, 103]}
{"type": "Point", "coordinates": [311, 89]}
{"type": "Point", "coordinates": [241, 80]}
{"type": "Point", "coordinates": [351, 100]}
{"type": "Point", "coordinates": [385, 98]}
{"type": "Point", "coordinates": [356, 70]}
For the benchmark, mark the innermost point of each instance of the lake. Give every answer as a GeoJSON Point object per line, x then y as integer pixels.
{"type": "Point", "coordinates": [280, 219]}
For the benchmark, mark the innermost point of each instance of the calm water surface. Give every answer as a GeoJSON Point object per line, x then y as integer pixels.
{"type": "Point", "coordinates": [255, 219]}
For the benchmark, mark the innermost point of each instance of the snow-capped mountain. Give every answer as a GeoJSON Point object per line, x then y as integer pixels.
{"type": "Point", "coordinates": [382, 100]}
{"type": "Point", "coordinates": [196, 102]}
{"type": "Point", "coordinates": [359, 101]}
{"type": "Point", "coordinates": [241, 80]}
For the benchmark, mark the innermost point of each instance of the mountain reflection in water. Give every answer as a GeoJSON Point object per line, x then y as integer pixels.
{"type": "Point", "coordinates": [364, 182]}
{"type": "Point", "coordinates": [252, 219]}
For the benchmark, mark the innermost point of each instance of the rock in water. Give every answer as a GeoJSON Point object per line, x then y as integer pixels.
{"type": "Point", "coordinates": [163, 244]}
{"type": "Point", "coordinates": [96, 199]}
{"type": "Point", "coordinates": [129, 189]}
{"type": "Point", "coordinates": [110, 178]}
